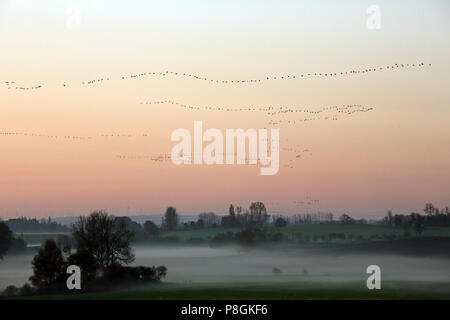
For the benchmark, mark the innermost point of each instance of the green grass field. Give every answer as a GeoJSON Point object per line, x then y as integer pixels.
{"type": "Point", "coordinates": [252, 291]}
{"type": "Point", "coordinates": [38, 238]}
{"type": "Point", "coordinates": [365, 231]}
{"type": "Point", "coordinates": [311, 230]}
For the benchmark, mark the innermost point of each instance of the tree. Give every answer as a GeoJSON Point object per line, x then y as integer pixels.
{"type": "Point", "coordinates": [209, 219]}
{"type": "Point", "coordinates": [106, 237]}
{"type": "Point", "coordinates": [430, 209]}
{"type": "Point", "coordinates": [6, 239]}
{"type": "Point", "coordinates": [87, 263]}
{"type": "Point", "coordinates": [48, 266]}
{"type": "Point", "coordinates": [258, 214]}
{"type": "Point", "coordinates": [151, 228]}
{"type": "Point", "coordinates": [138, 230]}
{"type": "Point", "coordinates": [200, 224]}
{"type": "Point", "coordinates": [398, 220]}
{"type": "Point", "coordinates": [406, 224]}
{"type": "Point", "coordinates": [346, 219]}
{"type": "Point", "coordinates": [280, 222]}
{"type": "Point", "coordinates": [230, 220]}
{"type": "Point", "coordinates": [389, 218]}
{"type": "Point", "coordinates": [246, 237]}
{"type": "Point", "coordinates": [231, 210]}
{"type": "Point", "coordinates": [170, 219]}
{"type": "Point", "coordinates": [418, 223]}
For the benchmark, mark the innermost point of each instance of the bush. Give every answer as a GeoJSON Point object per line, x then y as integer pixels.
{"type": "Point", "coordinates": [86, 261]}
{"type": "Point", "coordinates": [280, 222]}
{"type": "Point", "coordinates": [221, 239]}
{"type": "Point", "coordinates": [12, 291]}
{"type": "Point", "coordinates": [118, 274]}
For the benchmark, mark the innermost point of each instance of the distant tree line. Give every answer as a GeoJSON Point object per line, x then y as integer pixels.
{"type": "Point", "coordinates": [248, 237]}
{"type": "Point", "coordinates": [8, 242]}
{"type": "Point", "coordinates": [31, 225]}
{"type": "Point", "coordinates": [415, 222]}
{"type": "Point", "coordinates": [311, 218]}
{"type": "Point", "coordinates": [254, 217]}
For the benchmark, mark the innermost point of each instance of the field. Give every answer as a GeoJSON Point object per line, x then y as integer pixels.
{"type": "Point", "coordinates": [412, 268]}
{"type": "Point", "coordinates": [34, 239]}
{"type": "Point", "coordinates": [252, 291]}
{"type": "Point", "coordinates": [364, 230]}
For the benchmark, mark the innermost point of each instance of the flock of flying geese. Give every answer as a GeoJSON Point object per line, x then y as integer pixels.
{"type": "Point", "coordinates": [11, 85]}
{"type": "Point", "coordinates": [349, 110]}
{"type": "Point", "coordinates": [267, 78]}
{"type": "Point", "coordinates": [270, 111]}
{"type": "Point", "coordinates": [168, 158]}
{"type": "Point", "coordinates": [274, 111]}
{"type": "Point", "coordinates": [306, 201]}
{"type": "Point", "coordinates": [69, 137]}
{"type": "Point", "coordinates": [325, 113]}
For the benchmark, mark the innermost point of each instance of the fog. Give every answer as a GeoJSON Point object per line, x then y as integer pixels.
{"type": "Point", "coordinates": [203, 264]}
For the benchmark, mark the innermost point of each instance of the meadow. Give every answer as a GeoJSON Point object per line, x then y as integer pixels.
{"type": "Point", "coordinates": [36, 239]}
{"type": "Point", "coordinates": [412, 268]}
{"type": "Point", "coordinates": [365, 231]}
{"type": "Point", "coordinates": [275, 291]}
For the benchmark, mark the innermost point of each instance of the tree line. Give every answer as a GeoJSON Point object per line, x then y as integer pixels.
{"type": "Point", "coordinates": [415, 222]}
{"type": "Point", "coordinates": [24, 224]}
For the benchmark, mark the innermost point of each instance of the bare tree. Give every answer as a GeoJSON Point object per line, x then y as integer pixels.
{"type": "Point", "coordinates": [107, 237]}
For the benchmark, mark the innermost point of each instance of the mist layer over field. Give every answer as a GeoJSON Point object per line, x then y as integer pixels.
{"type": "Point", "coordinates": [222, 265]}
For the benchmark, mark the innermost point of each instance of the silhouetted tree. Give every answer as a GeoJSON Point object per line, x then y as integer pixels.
{"type": "Point", "coordinates": [346, 219]}
{"type": "Point", "coordinates": [230, 220]}
{"type": "Point", "coordinates": [48, 266]}
{"type": "Point", "coordinates": [246, 237]}
{"type": "Point", "coordinates": [418, 223]}
{"type": "Point", "coordinates": [170, 220]}
{"type": "Point", "coordinates": [258, 214]}
{"type": "Point", "coordinates": [430, 209]}
{"type": "Point", "coordinates": [151, 228]}
{"type": "Point", "coordinates": [209, 219]}
{"type": "Point", "coordinates": [6, 239]}
{"type": "Point", "coordinates": [18, 245]}
{"type": "Point", "coordinates": [280, 222]}
{"type": "Point", "coordinates": [106, 237]}
{"type": "Point", "coordinates": [138, 230]}
{"type": "Point", "coordinates": [389, 219]}
{"type": "Point", "coordinates": [231, 211]}
{"type": "Point", "coordinates": [87, 263]}
{"type": "Point", "coordinates": [436, 217]}
{"type": "Point", "coordinates": [200, 224]}
{"type": "Point", "coordinates": [406, 224]}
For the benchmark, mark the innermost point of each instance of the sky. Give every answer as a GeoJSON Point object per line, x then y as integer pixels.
{"type": "Point", "coordinates": [394, 156]}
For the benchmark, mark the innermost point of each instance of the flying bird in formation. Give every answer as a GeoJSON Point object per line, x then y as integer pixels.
{"type": "Point", "coordinates": [11, 85]}
{"type": "Point", "coordinates": [70, 137]}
